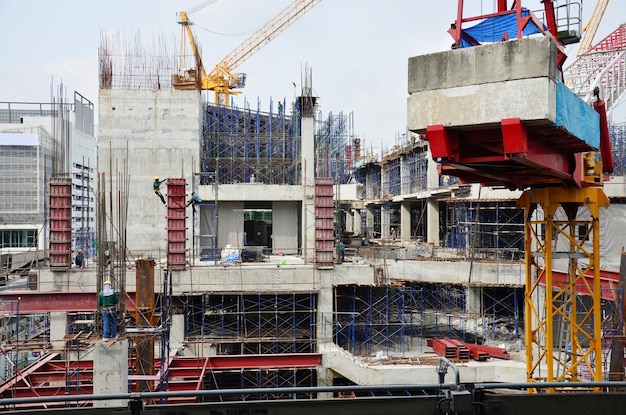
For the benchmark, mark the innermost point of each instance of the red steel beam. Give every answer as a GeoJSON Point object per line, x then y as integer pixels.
{"type": "Point", "coordinates": [609, 281]}
{"type": "Point", "coordinates": [41, 302]}
{"type": "Point", "coordinates": [267, 361]}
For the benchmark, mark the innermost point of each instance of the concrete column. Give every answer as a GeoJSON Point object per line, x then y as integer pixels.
{"type": "Point", "coordinates": [308, 151]}
{"type": "Point", "coordinates": [110, 371]}
{"type": "Point", "coordinates": [405, 221]}
{"type": "Point", "coordinates": [324, 326]}
{"type": "Point", "coordinates": [385, 219]}
{"type": "Point", "coordinates": [472, 300]}
{"type": "Point", "coordinates": [369, 221]}
{"type": "Point", "coordinates": [58, 329]}
{"type": "Point", "coordinates": [432, 224]}
{"type": "Point", "coordinates": [308, 182]}
{"type": "Point", "coordinates": [325, 307]}
{"type": "Point", "coordinates": [177, 330]}
{"type": "Point", "coordinates": [356, 217]}
{"type": "Point", "coordinates": [432, 175]}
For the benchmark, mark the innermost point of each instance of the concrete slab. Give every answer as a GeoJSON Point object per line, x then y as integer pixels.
{"type": "Point", "coordinates": [532, 100]}
{"type": "Point", "coordinates": [497, 62]}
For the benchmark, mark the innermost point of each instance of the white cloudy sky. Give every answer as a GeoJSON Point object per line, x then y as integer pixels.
{"type": "Point", "coordinates": [357, 49]}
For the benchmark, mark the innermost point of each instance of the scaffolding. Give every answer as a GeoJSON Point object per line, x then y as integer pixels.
{"type": "Point", "coordinates": [397, 320]}
{"type": "Point", "coordinates": [333, 138]}
{"type": "Point", "coordinates": [262, 323]}
{"type": "Point", "coordinates": [618, 147]}
{"type": "Point", "coordinates": [242, 145]}
{"type": "Point", "coordinates": [485, 230]}
{"type": "Point", "coordinates": [413, 171]}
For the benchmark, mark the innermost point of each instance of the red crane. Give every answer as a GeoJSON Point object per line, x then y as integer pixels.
{"type": "Point", "coordinates": [560, 169]}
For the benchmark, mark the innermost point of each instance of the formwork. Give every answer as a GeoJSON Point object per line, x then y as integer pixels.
{"type": "Point", "coordinates": [324, 223]}
{"type": "Point", "coordinates": [176, 223]}
{"type": "Point", "coordinates": [60, 222]}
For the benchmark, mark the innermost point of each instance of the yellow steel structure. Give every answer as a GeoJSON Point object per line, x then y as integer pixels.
{"type": "Point", "coordinates": [562, 341]}
{"type": "Point", "coordinates": [590, 29]}
{"type": "Point", "coordinates": [222, 80]}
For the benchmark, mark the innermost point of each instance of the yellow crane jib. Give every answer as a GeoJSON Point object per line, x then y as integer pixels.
{"type": "Point", "coordinates": [222, 79]}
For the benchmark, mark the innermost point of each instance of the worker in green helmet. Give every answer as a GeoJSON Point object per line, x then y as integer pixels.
{"type": "Point", "coordinates": [156, 186]}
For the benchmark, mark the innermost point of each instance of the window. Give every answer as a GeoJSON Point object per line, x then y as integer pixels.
{"type": "Point", "coordinates": [18, 238]}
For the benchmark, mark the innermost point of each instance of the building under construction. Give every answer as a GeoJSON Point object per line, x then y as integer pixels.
{"type": "Point", "coordinates": [246, 289]}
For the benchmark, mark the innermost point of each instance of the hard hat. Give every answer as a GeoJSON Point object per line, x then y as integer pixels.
{"type": "Point", "coordinates": [156, 177]}
{"type": "Point", "coordinates": [107, 282]}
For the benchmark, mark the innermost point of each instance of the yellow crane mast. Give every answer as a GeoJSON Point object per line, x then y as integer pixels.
{"type": "Point", "coordinates": [222, 79]}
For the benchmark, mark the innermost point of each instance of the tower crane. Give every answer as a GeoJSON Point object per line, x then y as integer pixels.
{"type": "Point", "coordinates": [559, 174]}
{"type": "Point", "coordinates": [591, 28]}
{"type": "Point", "coordinates": [222, 79]}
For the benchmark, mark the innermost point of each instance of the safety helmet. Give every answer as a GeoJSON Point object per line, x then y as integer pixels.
{"type": "Point", "coordinates": [107, 282]}
{"type": "Point", "coordinates": [156, 177]}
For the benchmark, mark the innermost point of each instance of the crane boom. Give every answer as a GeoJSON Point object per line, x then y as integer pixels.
{"type": "Point", "coordinates": [222, 80]}
{"type": "Point", "coordinates": [590, 29]}
{"type": "Point", "coordinates": [265, 34]}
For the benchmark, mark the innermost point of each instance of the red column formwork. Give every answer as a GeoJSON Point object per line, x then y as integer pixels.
{"type": "Point", "coordinates": [60, 221]}
{"type": "Point", "coordinates": [324, 223]}
{"type": "Point", "coordinates": [176, 223]}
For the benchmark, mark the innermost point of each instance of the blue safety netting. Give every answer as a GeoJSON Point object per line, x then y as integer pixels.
{"type": "Point", "coordinates": [493, 28]}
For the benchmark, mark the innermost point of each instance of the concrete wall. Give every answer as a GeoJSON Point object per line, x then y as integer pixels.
{"type": "Point", "coordinates": [158, 133]}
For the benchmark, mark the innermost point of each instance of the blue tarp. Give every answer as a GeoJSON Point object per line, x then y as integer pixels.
{"type": "Point", "coordinates": [492, 29]}
{"type": "Point", "coordinates": [576, 116]}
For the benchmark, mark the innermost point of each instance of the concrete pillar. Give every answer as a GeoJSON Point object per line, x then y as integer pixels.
{"type": "Point", "coordinates": [58, 329]}
{"type": "Point", "coordinates": [308, 182]}
{"type": "Point", "coordinates": [325, 307]}
{"type": "Point", "coordinates": [356, 218]}
{"type": "Point", "coordinates": [324, 327]}
{"type": "Point", "coordinates": [369, 223]}
{"type": "Point", "coordinates": [177, 330]}
{"type": "Point", "coordinates": [385, 219]}
{"type": "Point", "coordinates": [405, 220]}
{"type": "Point", "coordinates": [472, 300]}
{"type": "Point", "coordinates": [432, 221]}
{"type": "Point", "coordinates": [110, 371]}
{"type": "Point", "coordinates": [432, 175]}
{"type": "Point", "coordinates": [432, 207]}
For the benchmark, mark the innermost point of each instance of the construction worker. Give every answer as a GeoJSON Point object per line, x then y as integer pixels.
{"type": "Point", "coordinates": [341, 251]}
{"type": "Point", "coordinates": [156, 186]}
{"type": "Point", "coordinates": [80, 260]}
{"type": "Point", "coordinates": [194, 200]}
{"type": "Point", "coordinates": [107, 301]}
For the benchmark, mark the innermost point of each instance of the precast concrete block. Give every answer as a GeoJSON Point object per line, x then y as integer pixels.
{"type": "Point", "coordinates": [532, 100]}
{"type": "Point", "coordinates": [496, 62]}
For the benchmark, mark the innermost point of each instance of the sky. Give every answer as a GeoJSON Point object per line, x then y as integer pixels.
{"type": "Point", "coordinates": [357, 50]}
